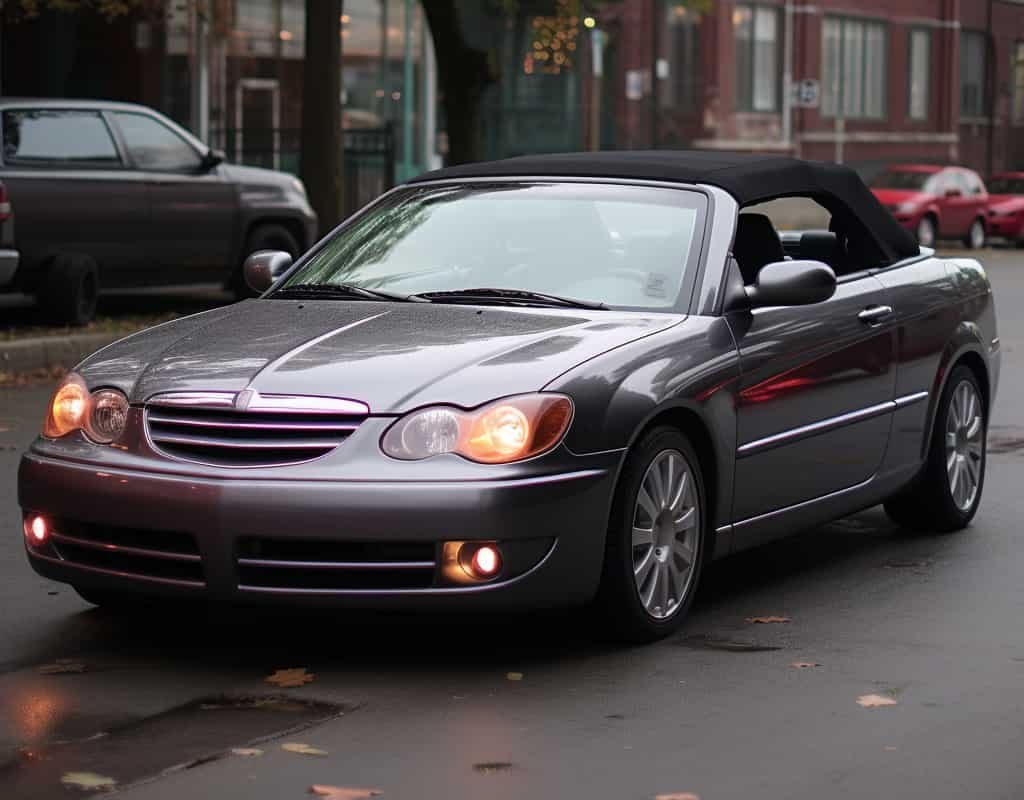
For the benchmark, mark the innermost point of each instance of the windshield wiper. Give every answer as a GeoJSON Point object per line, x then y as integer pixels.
{"type": "Point", "coordinates": [509, 296]}
{"type": "Point", "coordinates": [345, 290]}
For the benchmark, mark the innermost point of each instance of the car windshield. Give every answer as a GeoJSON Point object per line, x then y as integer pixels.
{"type": "Point", "coordinates": [621, 245]}
{"type": "Point", "coordinates": [1006, 185]}
{"type": "Point", "coordinates": [904, 179]}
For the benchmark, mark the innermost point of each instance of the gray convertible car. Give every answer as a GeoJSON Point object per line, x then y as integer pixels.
{"type": "Point", "coordinates": [548, 381]}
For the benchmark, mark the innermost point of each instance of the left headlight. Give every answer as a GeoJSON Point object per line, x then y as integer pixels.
{"type": "Point", "coordinates": [101, 414]}
{"type": "Point", "coordinates": [511, 429]}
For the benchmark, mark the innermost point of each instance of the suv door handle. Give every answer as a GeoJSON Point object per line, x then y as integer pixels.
{"type": "Point", "coordinates": [874, 314]}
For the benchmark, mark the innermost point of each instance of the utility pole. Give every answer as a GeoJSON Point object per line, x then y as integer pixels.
{"type": "Point", "coordinates": [787, 76]}
{"type": "Point", "coordinates": [655, 5]}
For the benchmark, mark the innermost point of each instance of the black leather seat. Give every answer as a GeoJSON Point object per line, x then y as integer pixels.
{"type": "Point", "coordinates": [824, 246]}
{"type": "Point", "coordinates": [757, 243]}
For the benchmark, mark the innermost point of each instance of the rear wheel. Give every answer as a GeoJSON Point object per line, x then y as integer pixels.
{"type": "Point", "coordinates": [656, 539]}
{"type": "Point", "coordinates": [975, 239]}
{"type": "Point", "coordinates": [70, 289]}
{"type": "Point", "coordinates": [269, 236]}
{"type": "Point", "coordinates": [926, 231]}
{"type": "Point", "coordinates": [946, 495]}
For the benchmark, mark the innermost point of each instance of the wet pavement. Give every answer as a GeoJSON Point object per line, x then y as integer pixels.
{"type": "Point", "coordinates": [537, 706]}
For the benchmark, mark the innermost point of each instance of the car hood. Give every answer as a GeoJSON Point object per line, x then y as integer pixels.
{"type": "Point", "coordinates": [392, 356]}
{"type": "Point", "coordinates": [894, 197]}
{"type": "Point", "coordinates": [1003, 203]}
{"type": "Point", "coordinates": [257, 176]}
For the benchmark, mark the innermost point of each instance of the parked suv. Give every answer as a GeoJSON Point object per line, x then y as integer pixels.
{"type": "Point", "coordinates": [115, 195]}
{"type": "Point", "coordinates": [935, 202]}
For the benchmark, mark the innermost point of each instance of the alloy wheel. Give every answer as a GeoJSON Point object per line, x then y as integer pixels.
{"type": "Point", "coordinates": [666, 534]}
{"type": "Point", "coordinates": [977, 235]}
{"type": "Point", "coordinates": [926, 232]}
{"type": "Point", "coordinates": [965, 431]}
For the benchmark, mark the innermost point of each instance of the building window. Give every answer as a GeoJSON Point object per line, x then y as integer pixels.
{"type": "Point", "coordinates": [972, 74]}
{"type": "Point", "coordinates": [757, 57]}
{"type": "Point", "coordinates": [683, 31]}
{"type": "Point", "coordinates": [853, 68]}
{"type": "Point", "coordinates": [1018, 82]}
{"type": "Point", "coordinates": [919, 58]}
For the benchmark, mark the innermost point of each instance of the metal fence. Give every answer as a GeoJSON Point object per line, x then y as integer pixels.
{"type": "Point", "coordinates": [369, 156]}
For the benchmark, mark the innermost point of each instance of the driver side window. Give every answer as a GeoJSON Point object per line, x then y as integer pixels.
{"type": "Point", "coordinates": [154, 146]}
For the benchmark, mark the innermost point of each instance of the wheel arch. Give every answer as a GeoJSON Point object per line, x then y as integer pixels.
{"type": "Point", "coordinates": [292, 224]}
{"type": "Point", "coordinates": [965, 348]}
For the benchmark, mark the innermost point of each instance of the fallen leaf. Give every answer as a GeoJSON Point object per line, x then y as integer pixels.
{"type": "Point", "coordinates": [891, 748]}
{"type": "Point", "coordinates": [875, 700]}
{"type": "Point", "coordinates": [88, 781]}
{"type": "Point", "coordinates": [514, 676]}
{"type": "Point", "coordinates": [342, 792]}
{"type": "Point", "coordinates": [767, 620]}
{"type": "Point", "coordinates": [677, 796]}
{"type": "Point", "coordinates": [290, 678]}
{"type": "Point", "coordinates": [805, 664]}
{"type": "Point", "coordinates": [488, 767]}
{"type": "Point", "coordinates": [303, 749]}
{"type": "Point", "coordinates": [246, 752]}
{"type": "Point", "coordinates": [62, 666]}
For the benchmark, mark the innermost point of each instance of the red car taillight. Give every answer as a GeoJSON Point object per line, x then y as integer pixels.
{"type": "Point", "coordinates": [5, 203]}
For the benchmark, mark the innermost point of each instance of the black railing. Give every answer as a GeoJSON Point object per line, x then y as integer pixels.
{"type": "Point", "coordinates": [369, 156]}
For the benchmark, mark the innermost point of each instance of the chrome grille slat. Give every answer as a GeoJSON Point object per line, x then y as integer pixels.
{"type": "Point", "coordinates": [252, 429]}
{"type": "Point", "coordinates": [110, 547]}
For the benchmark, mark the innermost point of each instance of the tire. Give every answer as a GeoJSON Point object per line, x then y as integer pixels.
{"type": "Point", "coordinates": [268, 236]}
{"type": "Point", "coordinates": [69, 290]}
{"type": "Point", "coordinates": [927, 231]}
{"type": "Point", "coordinates": [936, 500]}
{"type": "Point", "coordinates": [620, 601]}
{"type": "Point", "coordinates": [975, 238]}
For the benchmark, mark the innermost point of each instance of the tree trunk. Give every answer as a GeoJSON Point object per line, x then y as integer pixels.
{"type": "Point", "coordinates": [463, 73]}
{"type": "Point", "coordinates": [321, 160]}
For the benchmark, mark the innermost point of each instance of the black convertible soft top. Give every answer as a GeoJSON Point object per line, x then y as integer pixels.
{"type": "Point", "coordinates": [747, 177]}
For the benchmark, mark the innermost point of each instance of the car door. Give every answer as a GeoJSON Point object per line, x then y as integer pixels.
{"type": "Point", "coordinates": [73, 191]}
{"type": "Point", "coordinates": [955, 205]}
{"type": "Point", "coordinates": [814, 402]}
{"type": "Point", "coordinates": [194, 209]}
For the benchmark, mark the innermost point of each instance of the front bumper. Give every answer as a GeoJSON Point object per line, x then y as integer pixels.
{"type": "Point", "coordinates": [555, 521]}
{"type": "Point", "coordinates": [1008, 227]}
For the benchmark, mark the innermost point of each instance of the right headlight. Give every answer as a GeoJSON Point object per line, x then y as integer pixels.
{"type": "Point", "coordinates": [101, 414]}
{"type": "Point", "coordinates": [506, 430]}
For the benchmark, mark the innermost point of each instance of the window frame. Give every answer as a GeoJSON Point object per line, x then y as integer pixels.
{"type": "Point", "coordinates": [746, 105]}
{"type": "Point", "coordinates": [839, 113]}
{"type": "Point", "coordinates": [122, 162]}
{"type": "Point", "coordinates": [985, 102]}
{"type": "Point", "coordinates": [912, 31]}
{"type": "Point", "coordinates": [112, 122]}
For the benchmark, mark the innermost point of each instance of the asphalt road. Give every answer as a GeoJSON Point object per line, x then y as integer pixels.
{"type": "Point", "coordinates": [426, 707]}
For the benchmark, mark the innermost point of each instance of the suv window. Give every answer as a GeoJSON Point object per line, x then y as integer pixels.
{"type": "Point", "coordinates": [155, 146]}
{"type": "Point", "coordinates": [41, 136]}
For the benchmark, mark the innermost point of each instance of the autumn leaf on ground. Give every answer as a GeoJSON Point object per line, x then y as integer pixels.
{"type": "Point", "coordinates": [766, 620]}
{"type": "Point", "coordinates": [88, 781]}
{"type": "Point", "coordinates": [677, 796]}
{"type": "Point", "coordinates": [342, 792]}
{"type": "Point", "coordinates": [246, 752]}
{"type": "Point", "coordinates": [62, 666]}
{"type": "Point", "coordinates": [875, 701]}
{"type": "Point", "coordinates": [290, 678]}
{"type": "Point", "coordinates": [303, 749]}
{"type": "Point", "coordinates": [805, 664]}
{"type": "Point", "coordinates": [514, 676]}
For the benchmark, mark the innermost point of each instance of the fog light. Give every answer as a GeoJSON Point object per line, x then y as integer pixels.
{"type": "Point", "coordinates": [486, 562]}
{"type": "Point", "coordinates": [36, 529]}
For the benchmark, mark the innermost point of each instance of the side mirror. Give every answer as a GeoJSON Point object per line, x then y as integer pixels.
{"type": "Point", "coordinates": [792, 283]}
{"type": "Point", "coordinates": [264, 267]}
{"type": "Point", "coordinates": [211, 158]}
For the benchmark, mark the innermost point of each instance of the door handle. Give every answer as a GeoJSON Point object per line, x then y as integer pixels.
{"type": "Point", "coordinates": [874, 314]}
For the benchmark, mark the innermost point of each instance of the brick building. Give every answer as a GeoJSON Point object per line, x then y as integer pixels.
{"type": "Point", "coordinates": [873, 81]}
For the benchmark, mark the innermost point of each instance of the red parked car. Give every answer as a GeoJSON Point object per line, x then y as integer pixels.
{"type": "Point", "coordinates": [1006, 206]}
{"type": "Point", "coordinates": [935, 202]}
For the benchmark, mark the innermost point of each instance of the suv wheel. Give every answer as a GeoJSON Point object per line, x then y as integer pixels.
{"type": "Point", "coordinates": [70, 289]}
{"type": "Point", "coordinates": [269, 236]}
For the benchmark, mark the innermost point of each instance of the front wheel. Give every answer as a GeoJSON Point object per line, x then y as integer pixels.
{"type": "Point", "coordinates": [656, 539]}
{"type": "Point", "coordinates": [975, 239]}
{"type": "Point", "coordinates": [926, 232]}
{"type": "Point", "coordinates": [946, 495]}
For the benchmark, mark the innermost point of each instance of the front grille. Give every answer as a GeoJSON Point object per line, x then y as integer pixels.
{"type": "Point", "coordinates": [164, 556]}
{"type": "Point", "coordinates": [286, 565]}
{"type": "Point", "coordinates": [224, 436]}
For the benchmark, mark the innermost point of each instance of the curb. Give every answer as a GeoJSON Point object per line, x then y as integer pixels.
{"type": "Point", "coordinates": [24, 355]}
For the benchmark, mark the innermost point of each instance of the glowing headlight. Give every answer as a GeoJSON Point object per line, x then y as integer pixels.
{"type": "Point", "coordinates": [906, 208]}
{"type": "Point", "coordinates": [497, 433]}
{"type": "Point", "coordinates": [102, 414]}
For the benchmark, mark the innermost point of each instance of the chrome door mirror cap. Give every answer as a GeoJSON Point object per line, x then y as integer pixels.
{"type": "Point", "coordinates": [792, 283]}
{"type": "Point", "coordinates": [264, 267]}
